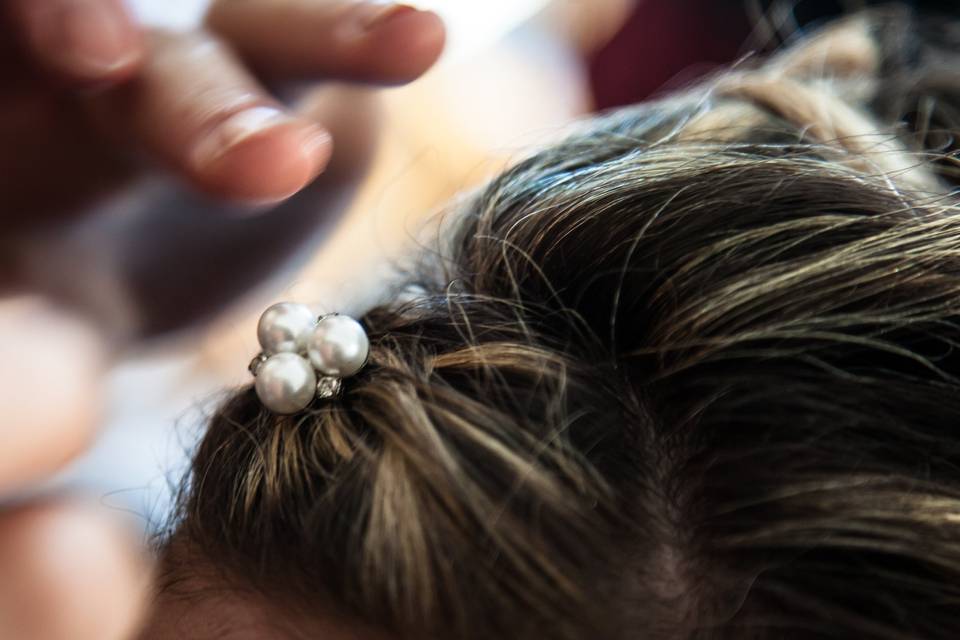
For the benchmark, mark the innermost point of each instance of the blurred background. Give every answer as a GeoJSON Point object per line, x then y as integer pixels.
{"type": "Point", "coordinates": [516, 72]}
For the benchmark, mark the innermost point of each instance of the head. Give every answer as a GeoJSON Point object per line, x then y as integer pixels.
{"type": "Point", "coordinates": [691, 373]}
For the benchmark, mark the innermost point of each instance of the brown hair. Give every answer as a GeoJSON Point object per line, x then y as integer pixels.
{"type": "Point", "coordinates": [690, 374]}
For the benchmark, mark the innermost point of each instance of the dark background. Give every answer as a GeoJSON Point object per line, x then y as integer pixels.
{"type": "Point", "coordinates": [667, 43]}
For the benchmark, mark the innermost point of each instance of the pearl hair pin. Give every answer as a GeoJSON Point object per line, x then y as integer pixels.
{"type": "Point", "coordinates": [304, 357]}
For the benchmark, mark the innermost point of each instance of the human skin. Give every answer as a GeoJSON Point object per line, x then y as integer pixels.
{"type": "Point", "coordinates": [215, 126]}
{"type": "Point", "coordinates": [76, 106]}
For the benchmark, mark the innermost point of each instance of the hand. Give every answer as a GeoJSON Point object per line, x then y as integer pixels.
{"type": "Point", "coordinates": [88, 101]}
{"type": "Point", "coordinates": [67, 569]}
{"type": "Point", "coordinates": [85, 96]}
{"type": "Point", "coordinates": [195, 105]}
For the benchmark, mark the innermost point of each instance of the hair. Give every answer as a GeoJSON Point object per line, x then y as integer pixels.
{"type": "Point", "coordinates": [691, 373]}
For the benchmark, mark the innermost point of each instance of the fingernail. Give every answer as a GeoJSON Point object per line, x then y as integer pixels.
{"type": "Point", "coordinates": [261, 154]}
{"type": "Point", "coordinates": [315, 146]}
{"type": "Point", "coordinates": [91, 38]}
{"type": "Point", "coordinates": [380, 14]}
{"type": "Point", "coordinates": [235, 129]}
{"type": "Point", "coordinates": [315, 143]}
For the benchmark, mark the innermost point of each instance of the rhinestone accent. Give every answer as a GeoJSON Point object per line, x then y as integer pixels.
{"type": "Point", "coordinates": [256, 363]}
{"type": "Point", "coordinates": [328, 387]}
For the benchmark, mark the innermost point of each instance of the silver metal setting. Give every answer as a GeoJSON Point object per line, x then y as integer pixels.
{"type": "Point", "coordinates": [329, 387]}
{"type": "Point", "coordinates": [256, 363]}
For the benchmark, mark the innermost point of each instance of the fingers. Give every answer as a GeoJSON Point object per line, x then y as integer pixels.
{"type": "Point", "coordinates": [364, 41]}
{"type": "Point", "coordinates": [196, 107]}
{"type": "Point", "coordinates": [86, 41]}
{"type": "Point", "coordinates": [51, 365]}
{"type": "Point", "coordinates": [69, 573]}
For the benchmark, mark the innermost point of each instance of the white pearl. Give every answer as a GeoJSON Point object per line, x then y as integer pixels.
{"type": "Point", "coordinates": [286, 383]}
{"type": "Point", "coordinates": [338, 346]}
{"type": "Point", "coordinates": [285, 327]}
